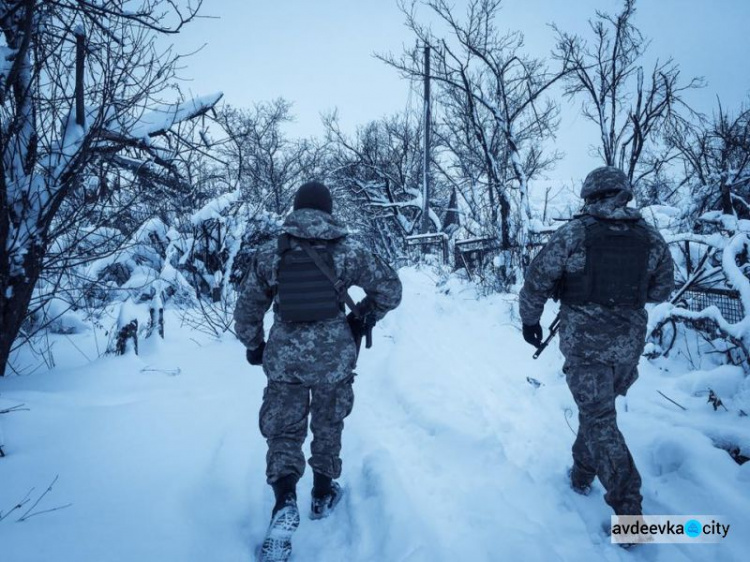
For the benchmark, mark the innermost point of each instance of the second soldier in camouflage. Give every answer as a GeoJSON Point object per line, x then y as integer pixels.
{"type": "Point", "coordinates": [602, 286]}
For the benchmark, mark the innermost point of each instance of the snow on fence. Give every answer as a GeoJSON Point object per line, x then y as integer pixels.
{"type": "Point", "coordinates": [726, 300]}
{"type": "Point", "coordinates": [714, 300]}
{"type": "Point", "coordinates": [421, 245]}
{"type": "Point", "coordinates": [474, 253]}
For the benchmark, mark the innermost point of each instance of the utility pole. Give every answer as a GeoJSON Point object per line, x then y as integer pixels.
{"type": "Point", "coordinates": [425, 226]}
{"type": "Point", "coordinates": [80, 59]}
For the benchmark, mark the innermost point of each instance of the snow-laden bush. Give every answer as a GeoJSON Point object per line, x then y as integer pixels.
{"type": "Point", "coordinates": [213, 252]}
{"type": "Point", "coordinates": [713, 294]}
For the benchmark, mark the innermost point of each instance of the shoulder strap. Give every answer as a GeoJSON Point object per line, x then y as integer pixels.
{"type": "Point", "coordinates": [589, 220]}
{"type": "Point", "coordinates": [284, 244]}
{"type": "Point", "coordinates": [338, 284]}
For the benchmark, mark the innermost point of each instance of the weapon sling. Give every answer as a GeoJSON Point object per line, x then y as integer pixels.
{"type": "Point", "coordinates": [338, 284]}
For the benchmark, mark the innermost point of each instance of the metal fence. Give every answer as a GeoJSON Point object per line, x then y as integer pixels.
{"type": "Point", "coordinates": [726, 300]}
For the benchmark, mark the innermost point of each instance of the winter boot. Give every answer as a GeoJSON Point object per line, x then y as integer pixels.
{"type": "Point", "coordinates": [325, 495]}
{"type": "Point", "coordinates": [643, 538]}
{"type": "Point", "coordinates": [578, 483]}
{"type": "Point", "coordinates": [277, 546]}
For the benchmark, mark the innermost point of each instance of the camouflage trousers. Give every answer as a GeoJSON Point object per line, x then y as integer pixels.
{"type": "Point", "coordinates": [283, 422]}
{"type": "Point", "coordinates": [599, 448]}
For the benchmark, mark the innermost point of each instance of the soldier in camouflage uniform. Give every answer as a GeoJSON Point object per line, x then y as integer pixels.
{"type": "Point", "coordinates": [309, 365]}
{"type": "Point", "coordinates": [602, 341]}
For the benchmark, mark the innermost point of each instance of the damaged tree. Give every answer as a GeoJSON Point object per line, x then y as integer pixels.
{"type": "Point", "coordinates": [497, 115]}
{"type": "Point", "coordinates": [77, 88]}
{"type": "Point", "coordinates": [715, 155]}
{"type": "Point", "coordinates": [382, 167]}
{"type": "Point", "coordinates": [630, 106]}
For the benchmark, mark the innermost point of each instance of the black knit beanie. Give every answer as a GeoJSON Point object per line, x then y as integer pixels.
{"type": "Point", "coordinates": [313, 195]}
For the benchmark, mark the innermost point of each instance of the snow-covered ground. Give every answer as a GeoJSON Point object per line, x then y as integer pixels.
{"type": "Point", "coordinates": [450, 454]}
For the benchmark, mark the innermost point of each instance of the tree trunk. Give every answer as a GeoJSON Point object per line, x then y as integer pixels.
{"type": "Point", "coordinates": [15, 296]}
{"type": "Point", "coordinates": [726, 199]}
{"type": "Point", "coordinates": [505, 241]}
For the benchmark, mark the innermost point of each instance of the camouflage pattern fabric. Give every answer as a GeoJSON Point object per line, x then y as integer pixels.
{"type": "Point", "coordinates": [605, 179]}
{"type": "Point", "coordinates": [594, 333]}
{"type": "Point", "coordinates": [309, 358]}
{"type": "Point", "coordinates": [602, 347]}
{"type": "Point", "coordinates": [283, 422]}
{"type": "Point", "coordinates": [312, 352]}
{"type": "Point", "coordinates": [599, 448]}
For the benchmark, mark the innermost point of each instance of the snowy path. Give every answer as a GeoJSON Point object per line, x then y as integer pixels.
{"type": "Point", "coordinates": [449, 455]}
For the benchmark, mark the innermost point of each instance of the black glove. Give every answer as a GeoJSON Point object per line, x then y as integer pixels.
{"type": "Point", "coordinates": [533, 334]}
{"type": "Point", "coordinates": [360, 325]}
{"type": "Point", "coordinates": [255, 356]}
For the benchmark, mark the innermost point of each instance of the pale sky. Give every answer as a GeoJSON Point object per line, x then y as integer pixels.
{"type": "Point", "coordinates": [319, 55]}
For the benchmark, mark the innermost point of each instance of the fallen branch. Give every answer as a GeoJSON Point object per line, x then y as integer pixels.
{"type": "Point", "coordinates": [58, 508]}
{"type": "Point", "coordinates": [172, 372]}
{"type": "Point", "coordinates": [672, 401]}
{"type": "Point", "coordinates": [17, 408]}
{"type": "Point", "coordinates": [19, 505]}
{"type": "Point", "coordinates": [30, 512]}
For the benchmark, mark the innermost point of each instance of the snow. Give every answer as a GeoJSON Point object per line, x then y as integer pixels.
{"type": "Point", "coordinates": [61, 319]}
{"type": "Point", "coordinates": [130, 311]}
{"type": "Point", "coordinates": [153, 226]}
{"type": "Point", "coordinates": [215, 208]}
{"type": "Point", "coordinates": [164, 117]}
{"type": "Point", "coordinates": [662, 217]}
{"type": "Point", "coordinates": [428, 236]}
{"type": "Point", "coordinates": [448, 455]}
{"type": "Point", "coordinates": [6, 60]}
{"type": "Point", "coordinates": [735, 247]}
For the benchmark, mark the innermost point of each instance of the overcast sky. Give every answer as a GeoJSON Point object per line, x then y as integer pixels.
{"type": "Point", "coordinates": [319, 55]}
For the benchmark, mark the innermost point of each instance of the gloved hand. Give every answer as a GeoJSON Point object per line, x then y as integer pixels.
{"type": "Point", "coordinates": [533, 334]}
{"type": "Point", "coordinates": [255, 356]}
{"type": "Point", "coordinates": [366, 320]}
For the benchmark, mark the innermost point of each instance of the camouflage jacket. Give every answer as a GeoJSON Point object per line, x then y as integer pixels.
{"type": "Point", "coordinates": [311, 352]}
{"type": "Point", "coordinates": [592, 332]}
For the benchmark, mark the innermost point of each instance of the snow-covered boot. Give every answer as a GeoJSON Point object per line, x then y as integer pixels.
{"type": "Point", "coordinates": [277, 546]}
{"type": "Point", "coordinates": [325, 495]}
{"type": "Point", "coordinates": [606, 526]}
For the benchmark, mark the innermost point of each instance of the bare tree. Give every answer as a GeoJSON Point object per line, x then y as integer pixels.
{"type": "Point", "coordinates": [631, 106]}
{"type": "Point", "coordinates": [496, 113]}
{"type": "Point", "coordinates": [715, 154]}
{"type": "Point", "coordinates": [81, 86]}
{"type": "Point", "coordinates": [268, 164]}
{"type": "Point", "coordinates": [380, 169]}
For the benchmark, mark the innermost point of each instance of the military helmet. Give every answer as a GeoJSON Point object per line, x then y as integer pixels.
{"type": "Point", "coordinates": [605, 180]}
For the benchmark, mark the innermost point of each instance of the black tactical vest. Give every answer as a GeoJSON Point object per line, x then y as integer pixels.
{"type": "Point", "coordinates": [616, 272]}
{"type": "Point", "coordinates": [304, 293]}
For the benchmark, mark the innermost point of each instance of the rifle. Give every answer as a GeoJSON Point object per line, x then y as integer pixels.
{"type": "Point", "coordinates": [553, 328]}
{"type": "Point", "coordinates": [695, 277]}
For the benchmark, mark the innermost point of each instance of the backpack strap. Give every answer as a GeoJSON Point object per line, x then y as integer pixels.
{"type": "Point", "coordinates": [284, 244]}
{"type": "Point", "coordinates": [338, 284]}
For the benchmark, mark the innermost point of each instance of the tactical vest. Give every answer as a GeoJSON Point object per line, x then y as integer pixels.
{"type": "Point", "coordinates": [616, 271]}
{"type": "Point", "coordinates": [304, 293]}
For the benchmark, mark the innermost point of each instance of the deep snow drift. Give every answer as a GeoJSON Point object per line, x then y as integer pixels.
{"type": "Point", "coordinates": [450, 454]}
